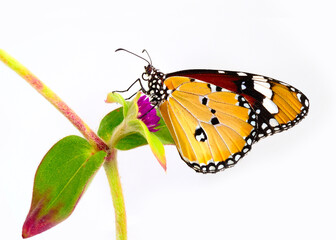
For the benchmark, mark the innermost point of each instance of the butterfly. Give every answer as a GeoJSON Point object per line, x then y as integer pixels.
{"type": "Point", "coordinates": [215, 116]}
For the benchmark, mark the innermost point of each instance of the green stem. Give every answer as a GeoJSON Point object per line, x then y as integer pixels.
{"type": "Point", "coordinates": [55, 100]}
{"type": "Point", "coordinates": [111, 169]}
{"type": "Point", "coordinates": [110, 164]}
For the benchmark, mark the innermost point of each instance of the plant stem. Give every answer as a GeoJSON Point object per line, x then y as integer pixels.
{"type": "Point", "coordinates": [110, 164]}
{"type": "Point", "coordinates": [46, 92]}
{"type": "Point", "coordinates": [111, 169]}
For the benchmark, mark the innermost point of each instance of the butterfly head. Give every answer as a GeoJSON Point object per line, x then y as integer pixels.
{"type": "Point", "coordinates": [157, 91]}
{"type": "Point", "coordinates": [149, 72]}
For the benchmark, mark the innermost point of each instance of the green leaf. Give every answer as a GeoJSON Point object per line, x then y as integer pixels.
{"type": "Point", "coordinates": [131, 141]}
{"type": "Point", "coordinates": [163, 134]}
{"type": "Point", "coordinates": [130, 108]}
{"type": "Point", "coordinates": [114, 118]}
{"type": "Point", "coordinates": [62, 177]}
{"type": "Point", "coordinates": [153, 141]}
{"type": "Point", "coordinates": [133, 107]}
{"type": "Point", "coordinates": [117, 98]}
{"type": "Point", "coordinates": [109, 123]}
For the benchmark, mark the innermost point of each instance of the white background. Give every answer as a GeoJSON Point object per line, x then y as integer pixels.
{"type": "Point", "coordinates": [283, 189]}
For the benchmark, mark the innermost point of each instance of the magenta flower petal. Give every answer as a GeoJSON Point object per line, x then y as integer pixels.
{"type": "Point", "coordinates": [149, 114]}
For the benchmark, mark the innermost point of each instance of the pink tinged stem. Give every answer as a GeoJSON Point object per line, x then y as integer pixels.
{"type": "Point", "coordinates": [91, 136]}
{"type": "Point", "coordinates": [110, 164]}
{"type": "Point", "coordinates": [111, 169]}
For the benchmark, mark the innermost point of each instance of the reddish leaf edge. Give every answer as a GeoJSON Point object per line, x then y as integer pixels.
{"type": "Point", "coordinates": [35, 225]}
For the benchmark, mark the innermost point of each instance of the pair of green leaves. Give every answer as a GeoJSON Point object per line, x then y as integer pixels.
{"type": "Point", "coordinates": [126, 131]}
{"type": "Point", "coordinates": [69, 166]}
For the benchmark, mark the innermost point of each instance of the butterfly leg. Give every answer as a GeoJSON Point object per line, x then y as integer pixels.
{"type": "Point", "coordinates": [122, 91]}
{"type": "Point", "coordinates": [133, 95]}
{"type": "Point", "coordinates": [141, 89]}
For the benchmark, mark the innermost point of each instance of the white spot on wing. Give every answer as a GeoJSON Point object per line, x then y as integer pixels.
{"type": "Point", "coordinates": [249, 141]}
{"type": "Point", "coordinates": [264, 84]}
{"type": "Point", "coordinates": [270, 106]}
{"type": "Point", "coordinates": [299, 96]}
{"type": "Point", "coordinates": [263, 89]}
{"type": "Point", "coordinates": [221, 71]}
{"type": "Point", "coordinates": [241, 74]}
{"type": "Point", "coordinates": [212, 88]}
{"type": "Point", "coordinates": [200, 137]}
{"type": "Point", "coordinates": [219, 167]}
{"type": "Point", "coordinates": [230, 162]}
{"type": "Point", "coordinates": [259, 78]}
{"type": "Point", "coordinates": [286, 84]}
{"type": "Point", "coordinates": [273, 122]}
{"type": "Point", "coordinates": [306, 103]}
{"type": "Point", "coordinates": [212, 168]}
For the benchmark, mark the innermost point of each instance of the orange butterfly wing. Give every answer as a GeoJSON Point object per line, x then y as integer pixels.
{"type": "Point", "coordinates": [291, 107]}
{"type": "Point", "coordinates": [279, 106]}
{"type": "Point", "coordinates": [212, 128]}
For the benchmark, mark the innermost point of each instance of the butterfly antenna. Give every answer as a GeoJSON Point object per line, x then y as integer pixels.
{"type": "Point", "coordinates": [150, 59]}
{"type": "Point", "coordinates": [122, 49]}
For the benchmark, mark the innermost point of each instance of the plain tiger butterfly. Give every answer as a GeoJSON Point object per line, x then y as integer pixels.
{"type": "Point", "coordinates": [215, 116]}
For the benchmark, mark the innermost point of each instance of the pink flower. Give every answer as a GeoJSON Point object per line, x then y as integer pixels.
{"type": "Point", "coordinates": [147, 114]}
